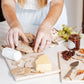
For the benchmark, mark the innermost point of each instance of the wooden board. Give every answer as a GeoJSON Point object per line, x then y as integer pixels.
{"type": "Point", "coordinates": [65, 67]}
{"type": "Point", "coordinates": [51, 52]}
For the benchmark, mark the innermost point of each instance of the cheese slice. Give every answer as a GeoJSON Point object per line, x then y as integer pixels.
{"type": "Point", "coordinates": [43, 64]}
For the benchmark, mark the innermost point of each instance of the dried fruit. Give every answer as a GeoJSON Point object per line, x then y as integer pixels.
{"type": "Point", "coordinates": [67, 54]}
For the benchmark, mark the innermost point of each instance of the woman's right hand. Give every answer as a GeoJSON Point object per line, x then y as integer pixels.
{"type": "Point", "coordinates": [13, 35]}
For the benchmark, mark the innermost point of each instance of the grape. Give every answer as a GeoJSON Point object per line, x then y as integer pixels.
{"type": "Point", "coordinates": [66, 32]}
{"type": "Point", "coordinates": [63, 32]}
{"type": "Point", "coordinates": [70, 28]}
{"type": "Point", "coordinates": [66, 36]}
{"type": "Point", "coordinates": [60, 32]}
{"type": "Point", "coordinates": [69, 32]}
{"type": "Point", "coordinates": [63, 25]}
{"type": "Point", "coordinates": [73, 32]}
{"type": "Point", "coordinates": [81, 36]}
{"type": "Point", "coordinates": [65, 29]}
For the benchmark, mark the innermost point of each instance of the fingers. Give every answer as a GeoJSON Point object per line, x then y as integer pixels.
{"type": "Point", "coordinates": [43, 44]}
{"type": "Point", "coordinates": [23, 37]}
{"type": "Point", "coordinates": [37, 43]}
{"type": "Point", "coordinates": [10, 40]}
{"type": "Point", "coordinates": [12, 37]}
{"type": "Point", "coordinates": [7, 38]}
{"type": "Point", "coordinates": [33, 44]}
{"type": "Point", "coordinates": [47, 44]}
{"type": "Point", "coordinates": [16, 38]}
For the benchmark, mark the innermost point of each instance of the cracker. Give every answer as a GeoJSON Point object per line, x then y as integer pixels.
{"type": "Point", "coordinates": [54, 34]}
{"type": "Point", "coordinates": [23, 47]}
{"type": "Point", "coordinates": [30, 37]}
{"type": "Point", "coordinates": [20, 71]}
{"type": "Point", "coordinates": [29, 62]}
{"type": "Point", "coordinates": [26, 48]}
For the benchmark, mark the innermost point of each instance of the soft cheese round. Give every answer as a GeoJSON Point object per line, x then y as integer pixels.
{"type": "Point", "coordinates": [11, 54]}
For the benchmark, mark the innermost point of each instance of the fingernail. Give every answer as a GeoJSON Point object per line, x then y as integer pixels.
{"type": "Point", "coordinates": [39, 51]}
{"type": "Point", "coordinates": [16, 44]}
{"type": "Point", "coordinates": [35, 50]}
{"type": "Point", "coordinates": [27, 41]}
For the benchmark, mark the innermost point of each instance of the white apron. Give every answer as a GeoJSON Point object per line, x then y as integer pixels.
{"type": "Point", "coordinates": [35, 17]}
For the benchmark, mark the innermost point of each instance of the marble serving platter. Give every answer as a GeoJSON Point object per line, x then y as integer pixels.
{"type": "Point", "coordinates": [65, 67]}
{"type": "Point", "coordinates": [77, 73]}
{"type": "Point", "coordinates": [53, 56]}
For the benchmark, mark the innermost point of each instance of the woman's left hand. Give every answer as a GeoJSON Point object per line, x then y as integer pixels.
{"type": "Point", "coordinates": [43, 39]}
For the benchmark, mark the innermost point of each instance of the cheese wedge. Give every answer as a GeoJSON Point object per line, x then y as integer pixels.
{"type": "Point", "coordinates": [43, 64]}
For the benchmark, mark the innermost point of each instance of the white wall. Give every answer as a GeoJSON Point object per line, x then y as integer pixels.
{"type": "Point", "coordinates": [79, 12]}
{"type": "Point", "coordinates": [74, 12]}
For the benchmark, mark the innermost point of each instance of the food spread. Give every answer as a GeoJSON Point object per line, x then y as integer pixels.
{"type": "Point", "coordinates": [34, 63]}
{"type": "Point", "coordinates": [67, 58]}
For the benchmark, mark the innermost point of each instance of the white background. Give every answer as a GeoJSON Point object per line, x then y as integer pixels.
{"type": "Point", "coordinates": [74, 12]}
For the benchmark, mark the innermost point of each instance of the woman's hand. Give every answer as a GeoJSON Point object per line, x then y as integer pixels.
{"type": "Point", "coordinates": [13, 35]}
{"type": "Point", "coordinates": [43, 39]}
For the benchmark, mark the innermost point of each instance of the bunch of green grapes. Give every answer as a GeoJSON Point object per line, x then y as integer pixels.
{"type": "Point", "coordinates": [65, 32]}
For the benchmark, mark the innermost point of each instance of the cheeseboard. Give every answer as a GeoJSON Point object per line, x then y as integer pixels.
{"type": "Point", "coordinates": [77, 73]}
{"type": "Point", "coordinates": [25, 68]}
{"type": "Point", "coordinates": [52, 54]}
